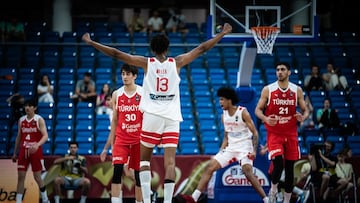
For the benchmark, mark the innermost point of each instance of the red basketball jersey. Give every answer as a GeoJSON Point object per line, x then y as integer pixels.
{"type": "Point", "coordinates": [129, 116]}
{"type": "Point", "coordinates": [282, 105]}
{"type": "Point", "coordinates": [29, 131]}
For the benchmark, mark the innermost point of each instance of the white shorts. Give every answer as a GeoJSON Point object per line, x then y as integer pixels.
{"type": "Point", "coordinates": [228, 156]}
{"type": "Point", "coordinates": [159, 131]}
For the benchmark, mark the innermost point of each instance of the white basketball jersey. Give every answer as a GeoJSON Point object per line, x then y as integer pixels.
{"type": "Point", "coordinates": [161, 89]}
{"type": "Point", "coordinates": [236, 129]}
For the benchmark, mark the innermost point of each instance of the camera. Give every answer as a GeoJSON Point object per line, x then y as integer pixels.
{"type": "Point", "coordinates": [76, 163]}
{"type": "Point", "coordinates": [314, 148]}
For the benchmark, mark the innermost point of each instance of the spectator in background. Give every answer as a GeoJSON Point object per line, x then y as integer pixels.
{"type": "Point", "coordinates": [45, 90]}
{"type": "Point", "coordinates": [155, 22]}
{"type": "Point", "coordinates": [176, 22]}
{"type": "Point", "coordinates": [309, 122]}
{"type": "Point", "coordinates": [344, 172]}
{"type": "Point", "coordinates": [16, 102]}
{"type": "Point", "coordinates": [72, 174]}
{"type": "Point", "coordinates": [343, 83]}
{"type": "Point", "coordinates": [102, 106]}
{"type": "Point", "coordinates": [314, 81]}
{"type": "Point", "coordinates": [327, 117]}
{"type": "Point", "coordinates": [333, 78]}
{"type": "Point", "coordinates": [322, 167]}
{"type": "Point", "coordinates": [85, 90]}
{"type": "Point", "coordinates": [137, 23]}
{"type": "Point", "coordinates": [15, 30]}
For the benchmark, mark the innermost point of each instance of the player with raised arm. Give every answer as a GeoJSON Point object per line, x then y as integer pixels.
{"type": "Point", "coordinates": [160, 102]}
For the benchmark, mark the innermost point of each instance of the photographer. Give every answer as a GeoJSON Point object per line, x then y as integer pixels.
{"type": "Point", "coordinates": [72, 174]}
{"type": "Point", "coordinates": [323, 165]}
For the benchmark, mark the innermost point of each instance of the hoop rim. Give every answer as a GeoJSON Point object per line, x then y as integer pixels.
{"type": "Point", "coordinates": [265, 28]}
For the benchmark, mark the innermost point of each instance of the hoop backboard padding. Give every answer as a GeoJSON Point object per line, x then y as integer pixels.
{"type": "Point", "coordinates": [265, 37]}
{"type": "Point", "coordinates": [296, 20]}
{"type": "Point", "coordinates": [246, 64]}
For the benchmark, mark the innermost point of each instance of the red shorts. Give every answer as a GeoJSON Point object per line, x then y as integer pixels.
{"type": "Point", "coordinates": [25, 159]}
{"type": "Point", "coordinates": [127, 154]}
{"type": "Point", "coordinates": [288, 146]}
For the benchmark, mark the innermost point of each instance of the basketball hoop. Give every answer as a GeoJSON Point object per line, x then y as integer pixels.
{"type": "Point", "coordinates": [265, 37]}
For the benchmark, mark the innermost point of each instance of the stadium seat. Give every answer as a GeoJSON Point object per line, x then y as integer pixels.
{"type": "Point", "coordinates": [189, 148]}
{"type": "Point", "coordinates": [211, 148]}
{"type": "Point", "coordinates": [354, 143]}
{"type": "Point", "coordinates": [61, 148]}
{"type": "Point", "coordinates": [70, 37]}
{"type": "Point", "coordinates": [313, 139]}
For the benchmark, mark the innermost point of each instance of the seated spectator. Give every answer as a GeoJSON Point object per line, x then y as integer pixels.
{"type": "Point", "coordinates": [16, 102]}
{"type": "Point", "coordinates": [322, 168]}
{"type": "Point", "coordinates": [344, 172]}
{"type": "Point", "coordinates": [342, 81]}
{"type": "Point", "coordinates": [155, 22]}
{"type": "Point", "coordinates": [137, 23]}
{"type": "Point", "coordinates": [327, 117]}
{"type": "Point", "coordinates": [45, 90]}
{"type": "Point", "coordinates": [176, 22]}
{"type": "Point", "coordinates": [72, 174]}
{"type": "Point", "coordinates": [309, 122]}
{"type": "Point", "coordinates": [85, 90]}
{"type": "Point", "coordinates": [314, 81]}
{"type": "Point", "coordinates": [102, 106]}
{"type": "Point", "coordinates": [333, 79]}
{"type": "Point", "coordinates": [15, 31]}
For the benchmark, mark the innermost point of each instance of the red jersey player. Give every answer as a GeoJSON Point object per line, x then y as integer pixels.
{"type": "Point", "coordinates": [32, 134]}
{"type": "Point", "coordinates": [277, 108]}
{"type": "Point", "coordinates": [125, 132]}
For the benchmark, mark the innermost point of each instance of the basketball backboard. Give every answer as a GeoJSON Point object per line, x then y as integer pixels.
{"type": "Point", "coordinates": [295, 18]}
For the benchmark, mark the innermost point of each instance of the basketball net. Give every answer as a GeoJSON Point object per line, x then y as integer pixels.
{"type": "Point", "coordinates": [265, 37]}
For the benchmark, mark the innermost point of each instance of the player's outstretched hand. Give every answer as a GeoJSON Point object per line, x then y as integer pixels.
{"type": "Point", "coordinates": [227, 28]}
{"type": "Point", "coordinates": [86, 37]}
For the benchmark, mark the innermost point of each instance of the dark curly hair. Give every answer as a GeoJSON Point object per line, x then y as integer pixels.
{"type": "Point", "coordinates": [228, 93]}
{"type": "Point", "coordinates": [159, 43]}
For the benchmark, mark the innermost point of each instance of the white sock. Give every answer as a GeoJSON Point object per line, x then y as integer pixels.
{"type": "Point", "coordinates": [265, 199]}
{"type": "Point", "coordinates": [57, 198]}
{"type": "Point", "coordinates": [168, 192]}
{"type": "Point", "coordinates": [196, 194]}
{"type": "Point", "coordinates": [115, 200]}
{"type": "Point", "coordinates": [44, 196]}
{"type": "Point", "coordinates": [83, 199]}
{"type": "Point", "coordinates": [287, 197]}
{"type": "Point", "coordinates": [19, 198]}
{"type": "Point", "coordinates": [274, 187]}
{"type": "Point", "coordinates": [42, 165]}
{"type": "Point", "coordinates": [297, 191]}
{"type": "Point", "coordinates": [145, 179]}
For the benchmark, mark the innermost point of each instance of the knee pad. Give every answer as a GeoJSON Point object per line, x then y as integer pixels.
{"type": "Point", "coordinates": [137, 178]}
{"type": "Point", "coordinates": [118, 170]}
{"type": "Point", "coordinates": [144, 163]}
